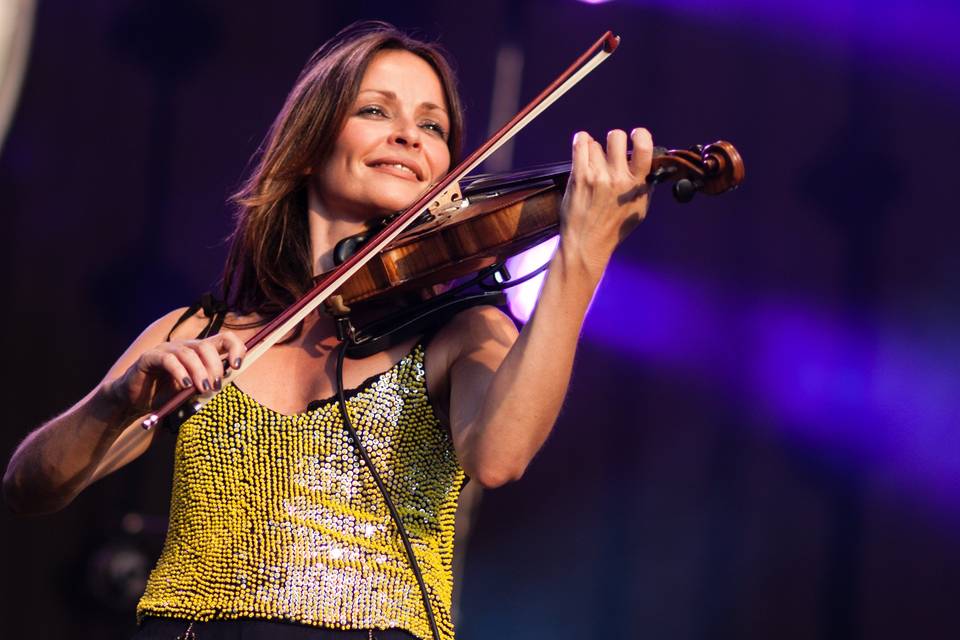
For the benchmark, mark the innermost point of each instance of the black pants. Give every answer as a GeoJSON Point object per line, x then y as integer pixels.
{"type": "Point", "coordinates": [170, 629]}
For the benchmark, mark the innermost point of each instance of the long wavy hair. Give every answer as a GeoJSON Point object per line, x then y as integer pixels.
{"type": "Point", "coordinates": [269, 264]}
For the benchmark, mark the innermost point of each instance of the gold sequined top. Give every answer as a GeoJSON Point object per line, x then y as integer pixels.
{"type": "Point", "coordinates": [275, 517]}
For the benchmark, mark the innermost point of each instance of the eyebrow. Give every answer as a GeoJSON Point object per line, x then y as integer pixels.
{"type": "Point", "coordinates": [390, 95]}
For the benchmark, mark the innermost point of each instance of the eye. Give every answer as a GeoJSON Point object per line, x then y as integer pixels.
{"type": "Point", "coordinates": [372, 110]}
{"type": "Point", "coordinates": [435, 127]}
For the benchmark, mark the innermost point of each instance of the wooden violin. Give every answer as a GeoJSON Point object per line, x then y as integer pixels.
{"type": "Point", "coordinates": [499, 216]}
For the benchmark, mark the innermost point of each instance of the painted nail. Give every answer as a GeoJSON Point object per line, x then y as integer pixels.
{"type": "Point", "coordinates": [187, 383]}
{"type": "Point", "coordinates": [206, 385]}
{"type": "Point", "coordinates": [217, 383]}
{"type": "Point", "coordinates": [237, 363]}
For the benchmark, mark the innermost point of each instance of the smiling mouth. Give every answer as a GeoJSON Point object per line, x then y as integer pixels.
{"type": "Point", "coordinates": [396, 165]}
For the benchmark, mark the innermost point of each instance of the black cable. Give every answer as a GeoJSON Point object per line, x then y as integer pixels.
{"type": "Point", "coordinates": [346, 340]}
{"type": "Point", "coordinates": [438, 305]}
{"type": "Point", "coordinates": [342, 401]}
{"type": "Point", "coordinates": [443, 302]}
{"type": "Point", "coordinates": [512, 282]}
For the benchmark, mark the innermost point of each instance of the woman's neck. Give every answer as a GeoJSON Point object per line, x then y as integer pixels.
{"type": "Point", "coordinates": [326, 230]}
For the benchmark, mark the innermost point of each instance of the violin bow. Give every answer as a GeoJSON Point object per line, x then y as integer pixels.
{"type": "Point", "coordinates": [445, 191]}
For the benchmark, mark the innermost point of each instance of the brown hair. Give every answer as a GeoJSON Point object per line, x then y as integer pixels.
{"type": "Point", "coordinates": [269, 263]}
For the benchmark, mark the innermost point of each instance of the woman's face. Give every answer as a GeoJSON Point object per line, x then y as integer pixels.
{"type": "Point", "coordinates": [393, 144]}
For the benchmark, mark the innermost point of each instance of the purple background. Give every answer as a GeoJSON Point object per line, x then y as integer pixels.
{"type": "Point", "coordinates": [761, 438]}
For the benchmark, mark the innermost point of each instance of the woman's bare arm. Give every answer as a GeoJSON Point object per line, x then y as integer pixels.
{"type": "Point", "coordinates": [101, 433]}
{"type": "Point", "coordinates": [505, 395]}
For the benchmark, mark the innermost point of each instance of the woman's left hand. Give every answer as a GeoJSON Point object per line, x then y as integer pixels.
{"type": "Point", "coordinates": [606, 198]}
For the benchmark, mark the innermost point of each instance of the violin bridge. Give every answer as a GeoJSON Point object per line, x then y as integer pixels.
{"type": "Point", "coordinates": [335, 307]}
{"type": "Point", "coordinates": [449, 199]}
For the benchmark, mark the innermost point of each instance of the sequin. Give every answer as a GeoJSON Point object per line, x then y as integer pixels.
{"type": "Point", "coordinates": [275, 516]}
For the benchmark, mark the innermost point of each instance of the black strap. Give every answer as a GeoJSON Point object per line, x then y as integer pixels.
{"type": "Point", "coordinates": [215, 311]}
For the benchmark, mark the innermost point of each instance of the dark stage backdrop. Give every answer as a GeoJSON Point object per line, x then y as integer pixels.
{"type": "Point", "coordinates": [761, 435]}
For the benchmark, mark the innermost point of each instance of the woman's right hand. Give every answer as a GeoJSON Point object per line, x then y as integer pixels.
{"type": "Point", "coordinates": [170, 367]}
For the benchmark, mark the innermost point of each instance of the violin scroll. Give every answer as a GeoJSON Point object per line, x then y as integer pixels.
{"type": "Point", "coordinates": [711, 169]}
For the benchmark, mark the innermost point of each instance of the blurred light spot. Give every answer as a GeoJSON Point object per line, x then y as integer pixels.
{"type": "Point", "coordinates": [523, 297]}
{"type": "Point", "coordinates": [865, 389]}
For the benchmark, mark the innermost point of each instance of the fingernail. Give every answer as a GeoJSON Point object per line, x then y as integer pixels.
{"type": "Point", "coordinates": [237, 363]}
{"type": "Point", "coordinates": [217, 383]}
{"type": "Point", "coordinates": [206, 385]}
{"type": "Point", "coordinates": [187, 382]}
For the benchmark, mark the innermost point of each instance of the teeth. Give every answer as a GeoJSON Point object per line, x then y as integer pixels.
{"type": "Point", "coordinates": [396, 166]}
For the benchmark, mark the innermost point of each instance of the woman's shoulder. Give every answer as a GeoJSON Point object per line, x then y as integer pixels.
{"type": "Point", "coordinates": [205, 318]}
{"type": "Point", "coordinates": [480, 321]}
{"type": "Point", "coordinates": [483, 333]}
{"type": "Point", "coordinates": [187, 323]}
{"type": "Point", "coordinates": [184, 323]}
{"type": "Point", "coordinates": [172, 321]}
{"type": "Point", "coordinates": [472, 329]}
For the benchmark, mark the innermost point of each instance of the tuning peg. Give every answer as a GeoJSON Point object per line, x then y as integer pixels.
{"type": "Point", "coordinates": [684, 189]}
{"type": "Point", "coordinates": [661, 174]}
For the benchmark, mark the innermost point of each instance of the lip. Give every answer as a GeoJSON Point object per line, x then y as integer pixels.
{"type": "Point", "coordinates": [409, 164]}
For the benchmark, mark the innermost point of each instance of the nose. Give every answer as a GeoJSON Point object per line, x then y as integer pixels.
{"type": "Point", "coordinates": [405, 133]}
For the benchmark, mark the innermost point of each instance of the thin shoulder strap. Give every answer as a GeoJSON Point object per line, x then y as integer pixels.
{"type": "Point", "coordinates": [214, 310]}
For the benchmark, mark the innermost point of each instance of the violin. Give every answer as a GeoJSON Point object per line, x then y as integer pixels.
{"type": "Point", "coordinates": [473, 222]}
{"type": "Point", "coordinates": [498, 216]}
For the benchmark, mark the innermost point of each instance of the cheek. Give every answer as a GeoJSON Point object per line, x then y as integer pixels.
{"type": "Point", "coordinates": [440, 161]}
{"type": "Point", "coordinates": [333, 178]}
{"type": "Point", "coordinates": [340, 166]}
{"type": "Point", "coordinates": [352, 141]}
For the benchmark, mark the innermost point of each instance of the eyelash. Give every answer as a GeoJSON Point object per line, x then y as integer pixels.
{"type": "Point", "coordinates": [375, 110]}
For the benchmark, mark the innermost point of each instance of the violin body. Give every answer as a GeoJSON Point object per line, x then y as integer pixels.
{"type": "Point", "coordinates": [459, 241]}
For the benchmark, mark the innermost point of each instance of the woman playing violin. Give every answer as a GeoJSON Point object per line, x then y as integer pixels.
{"type": "Point", "coordinates": [275, 525]}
